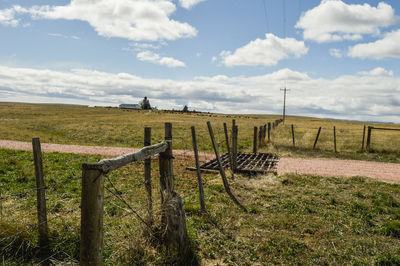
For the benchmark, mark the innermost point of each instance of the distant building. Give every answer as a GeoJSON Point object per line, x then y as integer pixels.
{"type": "Point", "coordinates": [130, 106]}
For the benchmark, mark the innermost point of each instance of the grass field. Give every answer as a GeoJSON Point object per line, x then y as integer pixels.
{"type": "Point", "coordinates": [293, 219]}
{"type": "Point", "coordinates": [71, 124]}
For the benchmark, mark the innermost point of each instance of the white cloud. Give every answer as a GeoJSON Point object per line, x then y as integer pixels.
{"type": "Point", "coordinates": [335, 53]}
{"type": "Point", "coordinates": [7, 17]}
{"type": "Point", "coordinates": [264, 52]}
{"type": "Point", "coordinates": [334, 20]}
{"type": "Point", "coordinates": [154, 58]}
{"type": "Point", "coordinates": [188, 4]}
{"type": "Point", "coordinates": [368, 97]}
{"type": "Point", "coordinates": [59, 35]}
{"type": "Point", "coordinates": [377, 72]}
{"type": "Point", "coordinates": [386, 47]}
{"type": "Point", "coordinates": [134, 20]}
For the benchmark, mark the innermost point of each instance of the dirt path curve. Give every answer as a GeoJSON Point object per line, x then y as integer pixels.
{"type": "Point", "coordinates": [387, 172]}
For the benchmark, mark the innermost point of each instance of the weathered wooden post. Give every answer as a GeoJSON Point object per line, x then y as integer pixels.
{"type": "Point", "coordinates": [199, 179]}
{"type": "Point", "coordinates": [165, 161]}
{"type": "Point", "coordinates": [269, 131]}
{"type": "Point", "coordinates": [221, 168]}
{"type": "Point", "coordinates": [260, 136]}
{"type": "Point", "coordinates": [44, 243]}
{"type": "Point", "coordinates": [147, 176]}
{"type": "Point", "coordinates": [228, 147]}
{"type": "Point", "coordinates": [334, 138]}
{"type": "Point", "coordinates": [294, 143]}
{"type": "Point", "coordinates": [173, 217]}
{"type": "Point", "coordinates": [369, 137]}
{"type": "Point", "coordinates": [255, 140]}
{"type": "Point", "coordinates": [363, 139]}
{"type": "Point", "coordinates": [92, 201]}
{"type": "Point", "coordinates": [316, 139]}
{"type": "Point", "coordinates": [264, 132]}
{"type": "Point", "coordinates": [234, 144]}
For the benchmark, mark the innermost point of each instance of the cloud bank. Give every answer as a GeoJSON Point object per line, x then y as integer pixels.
{"type": "Point", "coordinates": [373, 95]}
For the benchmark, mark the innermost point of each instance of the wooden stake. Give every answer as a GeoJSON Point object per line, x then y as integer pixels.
{"type": "Point", "coordinates": [228, 147]}
{"type": "Point", "coordinates": [165, 161]}
{"type": "Point", "coordinates": [269, 131]}
{"type": "Point", "coordinates": [334, 138]}
{"type": "Point", "coordinates": [221, 168]}
{"type": "Point", "coordinates": [44, 242]}
{"type": "Point", "coordinates": [199, 179]}
{"type": "Point", "coordinates": [316, 139]}
{"type": "Point", "coordinates": [255, 140]}
{"type": "Point", "coordinates": [294, 143]}
{"type": "Point", "coordinates": [369, 137]}
{"type": "Point", "coordinates": [363, 139]}
{"type": "Point", "coordinates": [260, 136]}
{"type": "Point", "coordinates": [92, 200]}
{"type": "Point", "coordinates": [147, 176]}
{"type": "Point", "coordinates": [234, 144]}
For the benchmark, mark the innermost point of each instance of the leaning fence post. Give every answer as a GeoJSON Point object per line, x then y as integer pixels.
{"type": "Point", "coordinates": [363, 139]}
{"type": "Point", "coordinates": [44, 242]}
{"type": "Point", "coordinates": [369, 137]}
{"type": "Point", "coordinates": [294, 143]}
{"type": "Point", "coordinates": [316, 139]}
{"type": "Point", "coordinates": [228, 147]}
{"type": "Point", "coordinates": [234, 144]}
{"type": "Point", "coordinates": [147, 175]}
{"type": "Point", "coordinates": [92, 201]}
{"type": "Point", "coordinates": [255, 140]}
{"type": "Point", "coordinates": [334, 138]}
{"type": "Point", "coordinates": [221, 168]}
{"type": "Point", "coordinates": [196, 156]}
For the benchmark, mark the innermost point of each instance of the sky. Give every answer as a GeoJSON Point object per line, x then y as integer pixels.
{"type": "Point", "coordinates": [338, 59]}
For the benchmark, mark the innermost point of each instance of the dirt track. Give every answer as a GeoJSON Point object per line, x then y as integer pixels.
{"type": "Point", "coordinates": [388, 172]}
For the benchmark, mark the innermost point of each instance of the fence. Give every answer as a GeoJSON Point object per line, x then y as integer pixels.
{"type": "Point", "coordinates": [332, 138]}
{"type": "Point", "coordinates": [100, 191]}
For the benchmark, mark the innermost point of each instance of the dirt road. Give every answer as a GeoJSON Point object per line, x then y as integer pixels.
{"type": "Point", "coordinates": [387, 172]}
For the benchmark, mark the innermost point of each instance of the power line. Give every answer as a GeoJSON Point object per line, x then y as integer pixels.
{"type": "Point", "coordinates": [284, 103]}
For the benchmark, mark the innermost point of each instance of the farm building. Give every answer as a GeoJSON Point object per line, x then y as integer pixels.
{"type": "Point", "coordinates": [130, 106]}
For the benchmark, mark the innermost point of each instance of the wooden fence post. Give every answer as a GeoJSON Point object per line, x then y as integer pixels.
{"type": "Point", "coordinates": [334, 138]}
{"type": "Point", "coordinates": [44, 243]}
{"type": "Point", "coordinates": [269, 131]}
{"type": "Point", "coordinates": [255, 140]}
{"type": "Point", "coordinates": [316, 139]}
{"type": "Point", "coordinates": [221, 168]}
{"type": "Point", "coordinates": [363, 139]}
{"type": "Point", "coordinates": [294, 143]}
{"type": "Point", "coordinates": [92, 204]}
{"type": "Point", "coordinates": [369, 137]}
{"type": "Point", "coordinates": [234, 144]}
{"type": "Point", "coordinates": [264, 132]}
{"type": "Point", "coordinates": [196, 156]}
{"type": "Point", "coordinates": [260, 136]}
{"type": "Point", "coordinates": [147, 176]}
{"type": "Point", "coordinates": [228, 147]}
{"type": "Point", "coordinates": [165, 161]}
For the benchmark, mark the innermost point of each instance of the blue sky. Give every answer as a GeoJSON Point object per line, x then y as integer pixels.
{"type": "Point", "coordinates": [339, 58]}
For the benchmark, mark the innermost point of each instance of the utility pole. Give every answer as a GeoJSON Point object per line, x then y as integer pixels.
{"type": "Point", "coordinates": [284, 103]}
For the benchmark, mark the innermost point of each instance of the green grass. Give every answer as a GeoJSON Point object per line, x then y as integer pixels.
{"type": "Point", "coordinates": [71, 124]}
{"type": "Point", "coordinates": [293, 219]}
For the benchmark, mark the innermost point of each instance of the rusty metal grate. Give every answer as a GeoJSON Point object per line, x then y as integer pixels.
{"type": "Point", "coordinates": [248, 163]}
